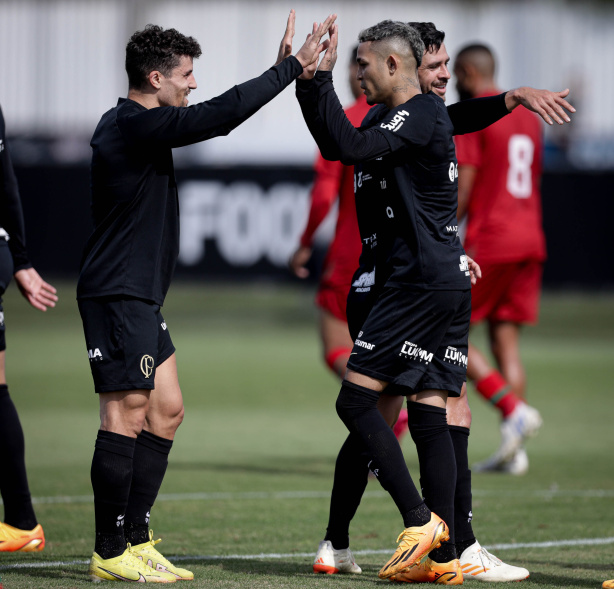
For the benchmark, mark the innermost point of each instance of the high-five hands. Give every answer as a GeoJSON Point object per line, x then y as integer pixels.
{"type": "Point", "coordinates": [330, 57]}
{"type": "Point", "coordinates": [311, 49]}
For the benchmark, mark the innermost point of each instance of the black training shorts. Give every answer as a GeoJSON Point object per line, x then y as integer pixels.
{"type": "Point", "coordinates": [415, 339]}
{"type": "Point", "coordinates": [126, 340]}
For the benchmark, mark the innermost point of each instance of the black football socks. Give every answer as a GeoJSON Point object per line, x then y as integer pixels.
{"type": "Point", "coordinates": [150, 462]}
{"type": "Point", "coordinates": [18, 510]}
{"type": "Point", "coordinates": [111, 479]}
{"type": "Point", "coordinates": [428, 427]}
{"type": "Point", "coordinates": [351, 478]}
{"type": "Point", "coordinates": [357, 408]}
{"type": "Point", "coordinates": [463, 531]}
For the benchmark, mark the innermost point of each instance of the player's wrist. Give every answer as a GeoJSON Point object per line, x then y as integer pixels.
{"type": "Point", "coordinates": [513, 98]}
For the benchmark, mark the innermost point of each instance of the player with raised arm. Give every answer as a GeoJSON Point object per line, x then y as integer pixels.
{"type": "Point", "coordinates": [499, 192]}
{"type": "Point", "coordinates": [20, 531]}
{"type": "Point", "coordinates": [126, 271]}
{"type": "Point", "coordinates": [334, 181]}
{"type": "Point", "coordinates": [412, 261]}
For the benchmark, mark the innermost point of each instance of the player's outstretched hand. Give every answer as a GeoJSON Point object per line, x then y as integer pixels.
{"type": "Point", "coordinates": [38, 293]}
{"type": "Point", "coordinates": [330, 57]}
{"type": "Point", "coordinates": [285, 47]}
{"type": "Point", "coordinates": [475, 272]}
{"type": "Point", "coordinates": [299, 260]}
{"type": "Point", "coordinates": [547, 104]}
{"type": "Point", "coordinates": [312, 48]}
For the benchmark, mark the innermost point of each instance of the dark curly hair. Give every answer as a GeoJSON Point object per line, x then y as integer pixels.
{"type": "Point", "coordinates": [431, 37]}
{"type": "Point", "coordinates": [154, 48]}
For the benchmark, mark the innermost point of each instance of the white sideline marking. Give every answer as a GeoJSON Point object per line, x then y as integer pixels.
{"type": "Point", "coordinates": [277, 556]}
{"type": "Point", "coordinates": [224, 496]}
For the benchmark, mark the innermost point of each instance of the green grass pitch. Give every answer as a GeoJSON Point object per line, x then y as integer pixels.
{"type": "Point", "coordinates": [245, 499]}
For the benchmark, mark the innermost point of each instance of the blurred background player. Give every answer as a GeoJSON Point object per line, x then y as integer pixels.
{"type": "Point", "coordinates": [335, 181]}
{"type": "Point", "coordinates": [499, 173]}
{"type": "Point", "coordinates": [20, 531]}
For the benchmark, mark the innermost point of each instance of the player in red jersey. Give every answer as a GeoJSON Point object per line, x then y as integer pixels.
{"type": "Point", "coordinates": [335, 181]}
{"type": "Point", "coordinates": [498, 189]}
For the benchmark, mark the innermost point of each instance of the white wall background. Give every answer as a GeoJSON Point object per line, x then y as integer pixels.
{"type": "Point", "coordinates": [62, 60]}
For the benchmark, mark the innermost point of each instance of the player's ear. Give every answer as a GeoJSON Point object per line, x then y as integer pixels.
{"type": "Point", "coordinates": [155, 79]}
{"type": "Point", "coordinates": [392, 63]}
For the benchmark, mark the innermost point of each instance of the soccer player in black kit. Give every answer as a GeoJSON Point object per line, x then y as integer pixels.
{"type": "Point", "coordinates": [20, 531]}
{"type": "Point", "coordinates": [126, 271]}
{"type": "Point", "coordinates": [413, 335]}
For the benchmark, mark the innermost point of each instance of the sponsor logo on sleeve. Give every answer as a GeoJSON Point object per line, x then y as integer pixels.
{"type": "Point", "coordinates": [397, 121]}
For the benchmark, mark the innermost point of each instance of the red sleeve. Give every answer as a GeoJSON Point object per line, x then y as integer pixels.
{"type": "Point", "coordinates": [324, 192]}
{"type": "Point", "coordinates": [468, 149]}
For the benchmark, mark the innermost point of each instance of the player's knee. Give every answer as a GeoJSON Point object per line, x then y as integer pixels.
{"type": "Point", "coordinates": [459, 412]}
{"type": "Point", "coordinates": [354, 400]}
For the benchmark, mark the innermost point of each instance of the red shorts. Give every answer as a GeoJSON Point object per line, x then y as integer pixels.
{"type": "Point", "coordinates": [334, 300]}
{"type": "Point", "coordinates": [507, 292]}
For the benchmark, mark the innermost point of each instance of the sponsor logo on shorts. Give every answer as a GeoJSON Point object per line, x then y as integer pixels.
{"type": "Point", "coordinates": [1, 319]}
{"type": "Point", "coordinates": [397, 121]}
{"type": "Point", "coordinates": [94, 354]}
{"type": "Point", "coordinates": [363, 344]}
{"type": "Point", "coordinates": [454, 356]}
{"type": "Point", "coordinates": [147, 365]}
{"type": "Point", "coordinates": [413, 352]}
{"type": "Point", "coordinates": [1, 145]}
{"type": "Point", "coordinates": [364, 282]}
{"type": "Point", "coordinates": [120, 521]}
{"type": "Point", "coordinates": [163, 324]}
{"type": "Point", "coordinates": [452, 229]}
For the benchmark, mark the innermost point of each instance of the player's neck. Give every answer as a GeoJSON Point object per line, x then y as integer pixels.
{"type": "Point", "coordinates": [404, 88]}
{"type": "Point", "coordinates": [146, 99]}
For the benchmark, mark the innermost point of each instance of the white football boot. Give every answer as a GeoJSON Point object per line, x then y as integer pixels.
{"type": "Point", "coordinates": [477, 563]}
{"type": "Point", "coordinates": [524, 422]}
{"type": "Point", "coordinates": [331, 561]}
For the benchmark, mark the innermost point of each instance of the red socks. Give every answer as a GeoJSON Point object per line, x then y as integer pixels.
{"type": "Point", "coordinates": [494, 389]}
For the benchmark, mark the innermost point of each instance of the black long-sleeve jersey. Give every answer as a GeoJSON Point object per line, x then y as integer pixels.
{"type": "Point", "coordinates": [135, 243]}
{"type": "Point", "coordinates": [405, 180]}
{"type": "Point", "coordinates": [11, 214]}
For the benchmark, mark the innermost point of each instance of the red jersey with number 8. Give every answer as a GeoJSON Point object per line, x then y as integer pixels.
{"type": "Point", "coordinates": [504, 214]}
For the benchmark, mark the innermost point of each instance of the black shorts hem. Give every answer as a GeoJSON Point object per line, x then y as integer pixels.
{"type": "Point", "coordinates": [165, 355]}
{"type": "Point", "coordinates": [390, 379]}
{"type": "Point", "coordinates": [453, 390]}
{"type": "Point", "coordinates": [110, 388]}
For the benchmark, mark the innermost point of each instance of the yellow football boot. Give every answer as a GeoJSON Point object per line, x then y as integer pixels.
{"type": "Point", "coordinates": [148, 553]}
{"type": "Point", "coordinates": [126, 567]}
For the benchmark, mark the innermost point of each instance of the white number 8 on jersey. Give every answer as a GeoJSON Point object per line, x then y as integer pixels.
{"type": "Point", "coordinates": [520, 157]}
